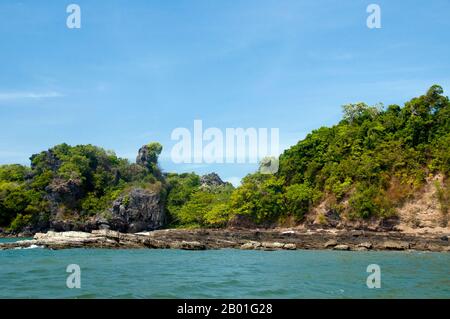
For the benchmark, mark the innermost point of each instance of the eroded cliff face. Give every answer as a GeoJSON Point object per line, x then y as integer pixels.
{"type": "Point", "coordinates": [137, 211]}
{"type": "Point", "coordinates": [426, 211]}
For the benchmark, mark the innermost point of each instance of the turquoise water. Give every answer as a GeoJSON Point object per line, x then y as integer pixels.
{"type": "Point", "coordinates": [143, 273]}
{"type": "Point", "coordinates": [12, 239]}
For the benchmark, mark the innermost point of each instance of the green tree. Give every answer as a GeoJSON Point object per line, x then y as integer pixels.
{"type": "Point", "coordinates": [299, 199]}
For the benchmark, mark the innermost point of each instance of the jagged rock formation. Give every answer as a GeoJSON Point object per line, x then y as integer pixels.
{"type": "Point", "coordinates": [64, 191]}
{"type": "Point", "coordinates": [143, 158]}
{"type": "Point", "coordinates": [139, 210]}
{"type": "Point", "coordinates": [211, 180]}
{"type": "Point", "coordinates": [148, 155]}
{"type": "Point", "coordinates": [83, 188]}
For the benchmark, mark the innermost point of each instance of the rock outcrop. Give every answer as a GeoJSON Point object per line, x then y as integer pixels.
{"type": "Point", "coordinates": [137, 211]}
{"type": "Point", "coordinates": [341, 247]}
{"type": "Point", "coordinates": [200, 239]}
{"type": "Point", "coordinates": [396, 245]}
{"type": "Point", "coordinates": [424, 211]}
{"type": "Point", "coordinates": [148, 155]}
{"type": "Point", "coordinates": [211, 180]}
{"type": "Point", "coordinates": [64, 191]}
{"type": "Point", "coordinates": [143, 158]}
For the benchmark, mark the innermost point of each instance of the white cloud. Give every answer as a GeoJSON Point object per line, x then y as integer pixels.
{"type": "Point", "coordinates": [28, 95]}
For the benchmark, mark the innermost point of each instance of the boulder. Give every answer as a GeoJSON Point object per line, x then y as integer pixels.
{"type": "Point", "coordinates": [250, 245]}
{"type": "Point", "coordinates": [290, 246]}
{"type": "Point", "coordinates": [188, 245]}
{"type": "Point", "coordinates": [395, 245]}
{"type": "Point", "coordinates": [341, 247]}
{"type": "Point", "coordinates": [330, 243]}
{"type": "Point", "coordinates": [366, 245]}
{"type": "Point", "coordinates": [274, 245]}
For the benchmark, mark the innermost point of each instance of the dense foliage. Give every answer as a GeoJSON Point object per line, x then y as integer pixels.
{"type": "Point", "coordinates": [81, 180]}
{"type": "Point", "coordinates": [191, 205]}
{"type": "Point", "coordinates": [365, 166]}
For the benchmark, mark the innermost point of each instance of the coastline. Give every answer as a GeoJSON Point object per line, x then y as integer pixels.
{"type": "Point", "coordinates": [248, 239]}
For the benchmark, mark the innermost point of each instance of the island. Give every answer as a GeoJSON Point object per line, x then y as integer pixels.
{"type": "Point", "coordinates": [377, 180]}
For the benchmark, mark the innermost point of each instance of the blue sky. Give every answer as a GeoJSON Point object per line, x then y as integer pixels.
{"type": "Point", "coordinates": [136, 70]}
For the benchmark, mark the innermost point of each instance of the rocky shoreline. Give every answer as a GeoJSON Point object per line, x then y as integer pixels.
{"type": "Point", "coordinates": [248, 239]}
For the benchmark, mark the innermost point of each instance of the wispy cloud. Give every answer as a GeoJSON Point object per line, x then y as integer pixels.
{"type": "Point", "coordinates": [10, 96]}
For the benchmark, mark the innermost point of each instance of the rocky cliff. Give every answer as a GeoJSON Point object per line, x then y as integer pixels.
{"type": "Point", "coordinates": [83, 188]}
{"type": "Point", "coordinates": [137, 211]}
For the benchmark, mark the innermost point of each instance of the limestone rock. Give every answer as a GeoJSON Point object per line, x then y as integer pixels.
{"type": "Point", "coordinates": [64, 191]}
{"type": "Point", "coordinates": [366, 245]}
{"type": "Point", "coordinates": [148, 155]}
{"type": "Point", "coordinates": [188, 245]}
{"type": "Point", "coordinates": [211, 180]}
{"type": "Point", "coordinates": [330, 243]}
{"type": "Point", "coordinates": [199, 239]}
{"type": "Point", "coordinates": [250, 245]}
{"type": "Point", "coordinates": [270, 245]}
{"type": "Point", "coordinates": [395, 245]}
{"type": "Point", "coordinates": [51, 235]}
{"type": "Point", "coordinates": [138, 211]}
{"type": "Point", "coordinates": [290, 246]}
{"type": "Point", "coordinates": [341, 247]}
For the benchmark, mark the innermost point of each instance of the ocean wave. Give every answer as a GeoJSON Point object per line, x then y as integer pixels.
{"type": "Point", "coordinates": [30, 247]}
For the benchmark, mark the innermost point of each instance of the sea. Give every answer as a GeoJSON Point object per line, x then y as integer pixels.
{"type": "Point", "coordinates": [225, 273]}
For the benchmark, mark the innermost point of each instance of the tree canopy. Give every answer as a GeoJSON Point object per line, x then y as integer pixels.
{"type": "Point", "coordinates": [365, 166]}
